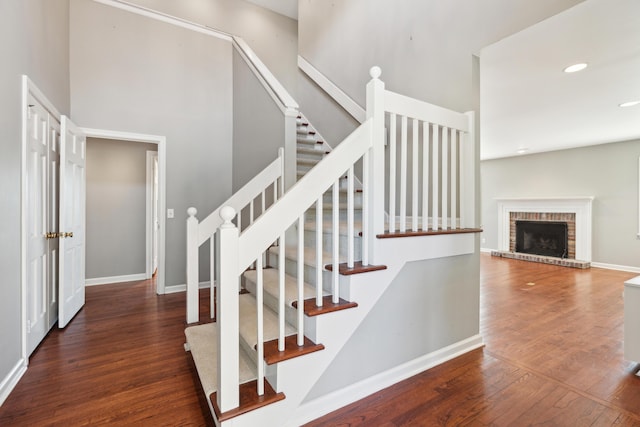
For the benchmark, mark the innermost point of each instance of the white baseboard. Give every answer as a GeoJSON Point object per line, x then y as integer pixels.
{"type": "Point", "coordinates": [486, 250]}
{"type": "Point", "coordinates": [183, 288]}
{"type": "Point", "coordinates": [10, 381]}
{"type": "Point", "coordinates": [115, 279]}
{"type": "Point", "coordinates": [616, 267]}
{"type": "Point", "coordinates": [323, 405]}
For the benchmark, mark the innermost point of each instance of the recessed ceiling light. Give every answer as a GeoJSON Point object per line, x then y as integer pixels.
{"type": "Point", "coordinates": [522, 150]}
{"type": "Point", "coordinates": [629, 104]}
{"type": "Point", "coordinates": [575, 67]}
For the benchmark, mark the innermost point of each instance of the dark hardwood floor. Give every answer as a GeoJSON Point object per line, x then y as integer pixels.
{"type": "Point", "coordinates": [553, 357]}
{"type": "Point", "coordinates": [120, 362]}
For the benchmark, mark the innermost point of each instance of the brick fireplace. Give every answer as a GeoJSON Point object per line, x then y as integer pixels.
{"type": "Point", "coordinates": [574, 211]}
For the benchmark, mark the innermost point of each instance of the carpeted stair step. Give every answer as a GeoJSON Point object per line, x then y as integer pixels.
{"type": "Point", "coordinates": [291, 264]}
{"type": "Point", "coordinates": [271, 285]}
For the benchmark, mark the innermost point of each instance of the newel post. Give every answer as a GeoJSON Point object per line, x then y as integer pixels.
{"type": "Point", "coordinates": [376, 170]}
{"type": "Point", "coordinates": [228, 313]}
{"type": "Point", "coordinates": [192, 266]}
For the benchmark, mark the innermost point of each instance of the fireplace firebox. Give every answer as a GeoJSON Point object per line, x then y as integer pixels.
{"type": "Point", "coordinates": [546, 238]}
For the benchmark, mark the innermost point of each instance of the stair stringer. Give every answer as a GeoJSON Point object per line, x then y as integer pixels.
{"type": "Point", "coordinates": [296, 377]}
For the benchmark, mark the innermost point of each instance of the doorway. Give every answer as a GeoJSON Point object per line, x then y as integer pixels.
{"type": "Point", "coordinates": [160, 190]}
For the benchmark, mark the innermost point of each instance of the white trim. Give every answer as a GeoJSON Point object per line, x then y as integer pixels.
{"type": "Point", "coordinates": [161, 141]}
{"type": "Point", "coordinates": [268, 80]}
{"type": "Point", "coordinates": [163, 17]}
{"type": "Point", "coordinates": [332, 401]}
{"type": "Point", "coordinates": [172, 289]}
{"type": "Point", "coordinates": [9, 382]}
{"type": "Point", "coordinates": [149, 225]}
{"type": "Point", "coordinates": [486, 250]}
{"type": "Point", "coordinates": [638, 235]}
{"type": "Point", "coordinates": [338, 95]}
{"type": "Point", "coordinates": [581, 206]}
{"type": "Point", "coordinates": [616, 267]}
{"type": "Point", "coordinates": [115, 279]}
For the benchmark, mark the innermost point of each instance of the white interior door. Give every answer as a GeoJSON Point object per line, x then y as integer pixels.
{"type": "Point", "coordinates": [37, 227]}
{"type": "Point", "coordinates": [73, 146]}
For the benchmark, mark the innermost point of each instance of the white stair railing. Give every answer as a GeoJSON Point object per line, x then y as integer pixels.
{"type": "Point", "coordinates": [442, 154]}
{"type": "Point", "coordinates": [267, 183]}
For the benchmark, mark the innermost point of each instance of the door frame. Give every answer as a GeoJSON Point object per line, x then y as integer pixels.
{"type": "Point", "coordinates": [151, 214]}
{"type": "Point", "coordinates": [161, 142]}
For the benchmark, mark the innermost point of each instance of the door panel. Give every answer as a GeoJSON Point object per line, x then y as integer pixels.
{"type": "Point", "coordinates": [37, 255]}
{"type": "Point", "coordinates": [72, 222]}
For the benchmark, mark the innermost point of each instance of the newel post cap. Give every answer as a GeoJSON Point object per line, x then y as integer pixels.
{"type": "Point", "coordinates": [192, 212]}
{"type": "Point", "coordinates": [375, 72]}
{"type": "Point", "coordinates": [227, 213]}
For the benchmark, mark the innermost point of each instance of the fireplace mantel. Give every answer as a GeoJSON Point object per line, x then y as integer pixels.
{"type": "Point", "coordinates": [581, 206]}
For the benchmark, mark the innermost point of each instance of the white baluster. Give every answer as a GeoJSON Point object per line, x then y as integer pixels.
{"type": "Point", "coordinates": [228, 313]}
{"type": "Point", "coordinates": [335, 243]}
{"type": "Point", "coordinates": [300, 280]}
{"type": "Point", "coordinates": [281, 292]}
{"type": "Point", "coordinates": [350, 214]}
{"type": "Point", "coordinates": [414, 181]}
{"type": "Point", "coordinates": [435, 219]}
{"type": "Point", "coordinates": [445, 177]}
{"type": "Point", "coordinates": [366, 227]}
{"type": "Point", "coordinates": [193, 306]}
{"type": "Point", "coordinates": [426, 147]}
{"type": "Point", "coordinates": [251, 212]}
{"type": "Point", "coordinates": [454, 178]}
{"type": "Point", "coordinates": [319, 266]}
{"type": "Point", "coordinates": [392, 173]}
{"type": "Point", "coordinates": [260, 323]}
{"type": "Point", "coordinates": [403, 174]}
{"type": "Point", "coordinates": [212, 276]}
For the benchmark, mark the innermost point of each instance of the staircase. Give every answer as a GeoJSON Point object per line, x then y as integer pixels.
{"type": "Point", "coordinates": [295, 284]}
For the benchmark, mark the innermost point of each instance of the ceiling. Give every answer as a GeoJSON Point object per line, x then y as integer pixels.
{"type": "Point", "coordinates": [529, 105]}
{"type": "Point", "coordinates": [283, 7]}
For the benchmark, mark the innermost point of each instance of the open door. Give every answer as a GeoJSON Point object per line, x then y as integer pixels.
{"type": "Point", "coordinates": [72, 221]}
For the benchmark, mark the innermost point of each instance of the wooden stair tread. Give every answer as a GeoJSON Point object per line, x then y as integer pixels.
{"type": "Point", "coordinates": [249, 400]}
{"type": "Point", "coordinates": [358, 268]}
{"type": "Point", "coordinates": [291, 349]}
{"type": "Point", "coordinates": [311, 309]}
{"type": "Point", "coordinates": [410, 233]}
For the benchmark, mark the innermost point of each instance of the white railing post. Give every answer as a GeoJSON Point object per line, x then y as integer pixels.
{"type": "Point", "coordinates": [468, 175]}
{"type": "Point", "coordinates": [375, 110]}
{"type": "Point", "coordinates": [228, 313]}
{"type": "Point", "coordinates": [193, 314]}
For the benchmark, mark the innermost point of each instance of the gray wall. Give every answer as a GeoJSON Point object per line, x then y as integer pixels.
{"type": "Point", "coordinates": [116, 207]}
{"type": "Point", "coordinates": [430, 304]}
{"type": "Point", "coordinates": [272, 36]}
{"type": "Point", "coordinates": [34, 40]}
{"type": "Point", "coordinates": [258, 124]}
{"type": "Point", "coordinates": [609, 172]}
{"type": "Point", "coordinates": [424, 47]}
{"type": "Point", "coordinates": [131, 73]}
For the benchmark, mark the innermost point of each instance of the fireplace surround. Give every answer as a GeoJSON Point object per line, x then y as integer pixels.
{"type": "Point", "coordinates": [575, 211]}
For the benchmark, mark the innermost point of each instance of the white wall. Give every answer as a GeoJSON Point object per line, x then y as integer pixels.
{"type": "Point", "coordinates": [116, 207]}
{"type": "Point", "coordinates": [609, 172]}
{"type": "Point", "coordinates": [131, 73]}
{"type": "Point", "coordinates": [34, 40]}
